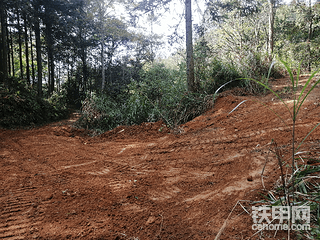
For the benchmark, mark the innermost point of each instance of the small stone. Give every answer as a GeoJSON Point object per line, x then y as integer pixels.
{"type": "Point", "coordinates": [150, 220]}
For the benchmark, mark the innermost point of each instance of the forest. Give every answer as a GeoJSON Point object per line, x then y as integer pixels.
{"type": "Point", "coordinates": [112, 129]}
{"type": "Point", "coordinates": [80, 54]}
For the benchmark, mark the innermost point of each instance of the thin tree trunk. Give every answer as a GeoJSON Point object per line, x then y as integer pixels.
{"type": "Point", "coordinates": [190, 61]}
{"type": "Point", "coordinates": [8, 52]}
{"type": "Point", "coordinates": [271, 29]}
{"type": "Point", "coordinates": [12, 57]}
{"type": "Point", "coordinates": [102, 63]}
{"type": "Point", "coordinates": [38, 48]}
{"type": "Point", "coordinates": [309, 47]}
{"type": "Point", "coordinates": [84, 61]}
{"type": "Point", "coordinates": [151, 45]}
{"type": "Point", "coordinates": [58, 77]}
{"type": "Point", "coordinates": [310, 36]}
{"type": "Point", "coordinates": [111, 52]}
{"type": "Point", "coordinates": [101, 13]}
{"type": "Point", "coordinates": [51, 72]}
{"type": "Point", "coordinates": [4, 52]}
{"type": "Point", "coordinates": [84, 69]}
{"type": "Point", "coordinates": [32, 59]}
{"type": "Point", "coordinates": [50, 58]}
{"type": "Point", "coordinates": [27, 48]}
{"type": "Point", "coordinates": [20, 44]}
{"type": "Point", "coordinates": [49, 78]}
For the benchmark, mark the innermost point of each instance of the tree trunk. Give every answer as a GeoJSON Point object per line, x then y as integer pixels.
{"type": "Point", "coordinates": [58, 78]}
{"type": "Point", "coordinates": [84, 60]}
{"type": "Point", "coordinates": [102, 63]}
{"type": "Point", "coordinates": [271, 29]}
{"type": "Point", "coordinates": [110, 56]}
{"type": "Point", "coordinates": [32, 59]}
{"type": "Point", "coordinates": [12, 57]}
{"type": "Point", "coordinates": [50, 55]}
{"type": "Point", "coordinates": [52, 71]}
{"type": "Point", "coordinates": [20, 44]}
{"type": "Point", "coordinates": [49, 78]}
{"type": "Point", "coordinates": [309, 47]}
{"type": "Point", "coordinates": [190, 62]}
{"type": "Point", "coordinates": [101, 13]}
{"type": "Point", "coordinates": [8, 52]}
{"type": "Point", "coordinates": [84, 69]}
{"type": "Point", "coordinates": [38, 49]}
{"type": "Point", "coordinates": [27, 48]}
{"type": "Point", "coordinates": [310, 31]}
{"type": "Point", "coordinates": [3, 50]}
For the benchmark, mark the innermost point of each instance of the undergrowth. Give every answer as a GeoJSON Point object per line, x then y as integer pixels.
{"type": "Point", "coordinates": [21, 107]}
{"type": "Point", "coordinates": [162, 95]}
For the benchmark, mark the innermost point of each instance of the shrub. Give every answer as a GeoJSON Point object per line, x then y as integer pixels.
{"type": "Point", "coordinates": [219, 73]}
{"type": "Point", "coordinates": [100, 113]}
{"type": "Point", "coordinates": [164, 96]}
{"type": "Point", "coordinates": [20, 106]}
{"type": "Point", "coordinates": [161, 95]}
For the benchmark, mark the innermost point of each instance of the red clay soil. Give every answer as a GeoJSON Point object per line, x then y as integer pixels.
{"type": "Point", "coordinates": [149, 182]}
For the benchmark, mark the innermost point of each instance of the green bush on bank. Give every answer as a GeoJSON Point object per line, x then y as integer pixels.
{"type": "Point", "coordinates": [100, 113]}
{"type": "Point", "coordinates": [162, 95]}
{"type": "Point", "coordinates": [21, 107]}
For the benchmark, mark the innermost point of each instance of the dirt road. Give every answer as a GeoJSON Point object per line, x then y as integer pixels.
{"type": "Point", "coordinates": [146, 182]}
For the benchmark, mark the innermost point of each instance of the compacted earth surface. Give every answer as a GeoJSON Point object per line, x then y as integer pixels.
{"type": "Point", "coordinates": [198, 181]}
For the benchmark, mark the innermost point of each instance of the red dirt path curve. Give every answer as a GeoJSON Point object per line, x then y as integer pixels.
{"type": "Point", "coordinates": [146, 182]}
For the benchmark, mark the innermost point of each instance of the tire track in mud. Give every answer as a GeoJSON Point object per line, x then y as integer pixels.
{"type": "Point", "coordinates": [21, 213]}
{"type": "Point", "coordinates": [22, 207]}
{"type": "Point", "coordinates": [218, 137]}
{"type": "Point", "coordinates": [14, 147]}
{"type": "Point", "coordinates": [112, 167]}
{"type": "Point", "coordinates": [205, 144]}
{"type": "Point", "coordinates": [116, 175]}
{"type": "Point", "coordinates": [119, 171]}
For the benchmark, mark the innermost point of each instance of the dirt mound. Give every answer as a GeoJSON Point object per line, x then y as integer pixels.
{"type": "Point", "coordinates": [146, 181]}
{"type": "Point", "coordinates": [142, 131]}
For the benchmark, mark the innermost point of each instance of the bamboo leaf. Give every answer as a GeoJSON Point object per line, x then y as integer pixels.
{"type": "Point", "coordinates": [270, 68]}
{"type": "Point", "coordinates": [316, 83]}
{"type": "Point", "coordinates": [237, 106]}
{"type": "Point", "coordinates": [307, 136]}
{"type": "Point", "coordinates": [298, 74]}
{"type": "Point", "coordinates": [289, 71]}
{"type": "Point", "coordinates": [216, 92]}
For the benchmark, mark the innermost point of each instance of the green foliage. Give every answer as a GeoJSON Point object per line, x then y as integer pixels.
{"type": "Point", "coordinates": [307, 191]}
{"type": "Point", "coordinates": [219, 73]}
{"type": "Point", "coordinates": [73, 93]}
{"type": "Point", "coordinates": [218, 58]}
{"type": "Point", "coordinates": [297, 30]}
{"type": "Point", "coordinates": [239, 39]}
{"type": "Point", "coordinates": [161, 95]}
{"type": "Point", "coordinates": [101, 113]}
{"type": "Point", "coordinates": [20, 106]}
{"type": "Point", "coordinates": [213, 71]}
